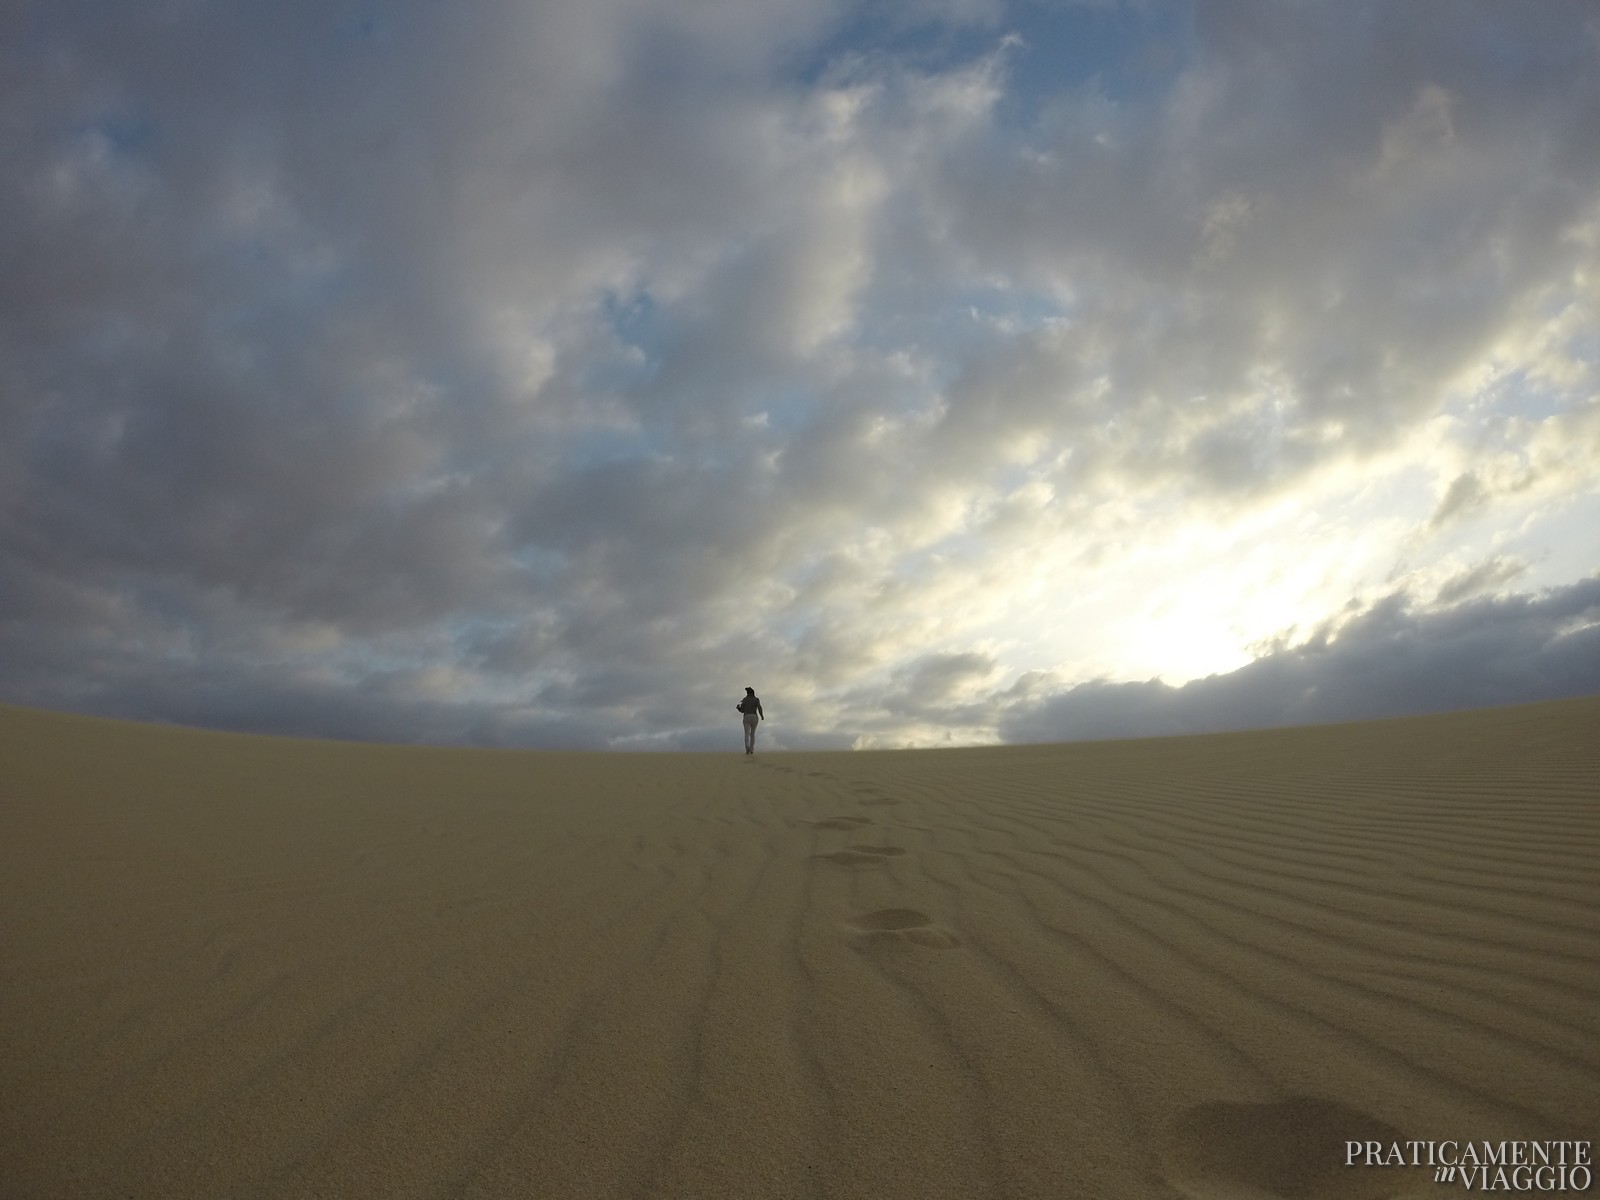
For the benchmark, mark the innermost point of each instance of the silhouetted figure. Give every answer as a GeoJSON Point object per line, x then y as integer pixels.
{"type": "Point", "coordinates": [750, 706]}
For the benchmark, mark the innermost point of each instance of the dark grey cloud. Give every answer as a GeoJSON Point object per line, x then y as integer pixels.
{"type": "Point", "coordinates": [1490, 574]}
{"type": "Point", "coordinates": [1392, 659]}
{"type": "Point", "coordinates": [1464, 496]}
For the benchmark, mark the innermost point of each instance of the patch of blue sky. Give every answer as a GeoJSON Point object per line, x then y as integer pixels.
{"type": "Point", "coordinates": [636, 319]}
{"type": "Point", "coordinates": [129, 135]}
{"type": "Point", "coordinates": [641, 337]}
{"type": "Point", "coordinates": [939, 332]}
{"type": "Point", "coordinates": [891, 31]}
{"type": "Point", "coordinates": [1125, 49]}
{"type": "Point", "coordinates": [1011, 310]}
{"type": "Point", "coordinates": [1519, 396]}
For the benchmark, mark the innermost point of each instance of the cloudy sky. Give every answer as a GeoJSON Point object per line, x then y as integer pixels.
{"type": "Point", "coordinates": [542, 372]}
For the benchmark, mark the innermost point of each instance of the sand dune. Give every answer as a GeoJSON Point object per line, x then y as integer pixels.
{"type": "Point", "coordinates": [253, 967]}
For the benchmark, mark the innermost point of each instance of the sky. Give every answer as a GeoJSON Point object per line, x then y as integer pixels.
{"type": "Point", "coordinates": [544, 372]}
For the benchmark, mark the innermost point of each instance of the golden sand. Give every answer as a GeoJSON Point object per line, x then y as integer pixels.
{"type": "Point", "coordinates": [257, 967]}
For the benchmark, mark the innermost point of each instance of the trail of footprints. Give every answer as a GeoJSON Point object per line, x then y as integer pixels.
{"type": "Point", "coordinates": [885, 927]}
{"type": "Point", "coordinates": [1274, 1145]}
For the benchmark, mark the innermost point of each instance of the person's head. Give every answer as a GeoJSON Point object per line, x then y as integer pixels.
{"type": "Point", "coordinates": [749, 691]}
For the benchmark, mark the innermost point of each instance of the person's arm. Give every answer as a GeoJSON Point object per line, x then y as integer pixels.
{"type": "Point", "coordinates": [759, 713]}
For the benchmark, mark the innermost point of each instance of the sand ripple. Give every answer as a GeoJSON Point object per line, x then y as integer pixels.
{"type": "Point", "coordinates": [1175, 968]}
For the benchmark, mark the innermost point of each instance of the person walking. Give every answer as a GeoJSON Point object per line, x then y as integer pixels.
{"type": "Point", "coordinates": [750, 706]}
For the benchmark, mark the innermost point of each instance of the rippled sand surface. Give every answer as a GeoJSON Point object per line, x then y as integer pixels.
{"type": "Point", "coordinates": [253, 967]}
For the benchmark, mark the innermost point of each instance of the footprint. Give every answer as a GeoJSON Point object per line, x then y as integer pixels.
{"type": "Point", "coordinates": [1294, 1149]}
{"type": "Point", "coordinates": [890, 927]}
{"type": "Point", "coordinates": [856, 856]}
{"type": "Point", "coordinates": [879, 801]}
{"type": "Point", "coordinates": [842, 822]}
